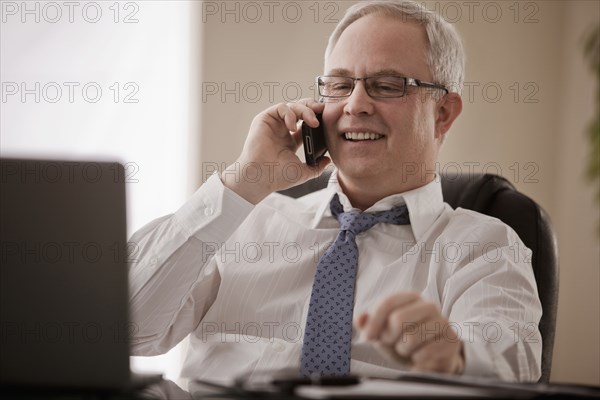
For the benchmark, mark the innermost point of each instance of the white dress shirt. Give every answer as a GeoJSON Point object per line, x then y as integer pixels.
{"type": "Point", "coordinates": [237, 278]}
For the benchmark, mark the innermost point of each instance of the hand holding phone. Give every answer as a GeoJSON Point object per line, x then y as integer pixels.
{"type": "Point", "coordinates": [314, 142]}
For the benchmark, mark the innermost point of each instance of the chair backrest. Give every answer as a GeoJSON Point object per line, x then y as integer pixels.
{"type": "Point", "coordinates": [495, 196]}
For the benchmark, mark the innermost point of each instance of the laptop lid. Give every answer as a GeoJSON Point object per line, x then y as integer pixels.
{"type": "Point", "coordinates": [63, 276]}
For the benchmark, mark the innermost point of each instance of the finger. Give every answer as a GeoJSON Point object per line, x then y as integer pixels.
{"type": "Point", "coordinates": [440, 357]}
{"type": "Point", "coordinates": [378, 318]}
{"type": "Point", "coordinates": [298, 139]}
{"type": "Point", "coordinates": [291, 120]}
{"type": "Point", "coordinates": [288, 115]}
{"type": "Point", "coordinates": [406, 320]}
{"type": "Point", "coordinates": [416, 336]}
{"type": "Point", "coordinates": [361, 320]}
{"type": "Point", "coordinates": [306, 113]}
{"type": "Point", "coordinates": [305, 110]}
{"type": "Point", "coordinates": [390, 353]}
{"type": "Point", "coordinates": [316, 106]}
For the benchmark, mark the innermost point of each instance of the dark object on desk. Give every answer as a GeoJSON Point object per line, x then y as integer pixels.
{"type": "Point", "coordinates": [285, 381]}
{"type": "Point", "coordinates": [63, 276]}
{"type": "Point", "coordinates": [495, 196]}
{"type": "Point", "coordinates": [289, 383]}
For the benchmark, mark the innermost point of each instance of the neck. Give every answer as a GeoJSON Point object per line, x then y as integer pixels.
{"type": "Point", "coordinates": [365, 192]}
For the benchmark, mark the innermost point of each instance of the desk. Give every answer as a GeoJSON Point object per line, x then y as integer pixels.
{"type": "Point", "coordinates": [168, 390]}
{"type": "Point", "coordinates": [379, 389]}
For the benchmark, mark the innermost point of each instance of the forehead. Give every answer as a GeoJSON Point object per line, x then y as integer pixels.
{"type": "Point", "coordinates": [376, 42]}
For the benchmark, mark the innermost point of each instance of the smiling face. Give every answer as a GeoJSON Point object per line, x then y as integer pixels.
{"type": "Point", "coordinates": [377, 144]}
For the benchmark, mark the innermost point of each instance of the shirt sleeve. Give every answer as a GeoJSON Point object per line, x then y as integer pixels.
{"type": "Point", "coordinates": [495, 306]}
{"type": "Point", "coordinates": [173, 258]}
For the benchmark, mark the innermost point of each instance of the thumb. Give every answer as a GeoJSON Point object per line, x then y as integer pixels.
{"type": "Point", "coordinates": [361, 321]}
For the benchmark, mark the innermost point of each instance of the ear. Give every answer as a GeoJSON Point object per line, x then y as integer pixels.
{"type": "Point", "coordinates": [448, 108]}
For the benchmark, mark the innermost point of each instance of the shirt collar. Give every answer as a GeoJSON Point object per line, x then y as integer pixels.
{"type": "Point", "coordinates": [424, 204]}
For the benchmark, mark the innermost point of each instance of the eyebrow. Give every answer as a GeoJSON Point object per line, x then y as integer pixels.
{"type": "Point", "coordinates": [382, 72]}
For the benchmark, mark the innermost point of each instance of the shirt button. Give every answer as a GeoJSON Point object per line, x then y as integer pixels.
{"type": "Point", "coordinates": [208, 211]}
{"type": "Point", "coordinates": [278, 347]}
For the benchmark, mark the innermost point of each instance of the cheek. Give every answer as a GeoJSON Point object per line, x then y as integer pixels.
{"type": "Point", "coordinates": [426, 144]}
{"type": "Point", "coordinates": [415, 130]}
{"type": "Point", "coordinates": [331, 115]}
{"type": "Point", "coordinates": [424, 123]}
{"type": "Point", "coordinates": [332, 112]}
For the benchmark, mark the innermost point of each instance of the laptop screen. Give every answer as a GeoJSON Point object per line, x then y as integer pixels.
{"type": "Point", "coordinates": [63, 276]}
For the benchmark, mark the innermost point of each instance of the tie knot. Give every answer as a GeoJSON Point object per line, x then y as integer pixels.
{"type": "Point", "coordinates": [357, 222]}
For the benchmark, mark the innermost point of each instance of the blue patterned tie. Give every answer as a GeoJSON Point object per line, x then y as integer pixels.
{"type": "Point", "coordinates": [328, 331]}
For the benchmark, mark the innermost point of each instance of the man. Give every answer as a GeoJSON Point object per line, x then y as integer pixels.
{"type": "Point", "coordinates": [237, 267]}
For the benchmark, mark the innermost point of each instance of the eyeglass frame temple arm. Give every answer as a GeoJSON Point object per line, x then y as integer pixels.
{"type": "Point", "coordinates": [417, 82]}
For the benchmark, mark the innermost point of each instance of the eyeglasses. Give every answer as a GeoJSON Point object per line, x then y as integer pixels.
{"type": "Point", "coordinates": [384, 87]}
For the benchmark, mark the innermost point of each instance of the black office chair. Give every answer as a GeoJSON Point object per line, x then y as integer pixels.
{"type": "Point", "coordinates": [495, 196]}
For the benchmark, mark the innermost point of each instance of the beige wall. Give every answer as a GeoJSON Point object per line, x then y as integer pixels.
{"type": "Point", "coordinates": [575, 214]}
{"type": "Point", "coordinates": [533, 131]}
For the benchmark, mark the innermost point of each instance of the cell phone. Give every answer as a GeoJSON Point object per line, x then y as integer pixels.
{"type": "Point", "coordinates": [314, 142]}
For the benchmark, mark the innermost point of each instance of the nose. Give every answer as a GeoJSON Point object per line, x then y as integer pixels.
{"type": "Point", "coordinates": [359, 102]}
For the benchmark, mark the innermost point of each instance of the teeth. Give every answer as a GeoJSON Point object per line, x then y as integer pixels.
{"type": "Point", "coordinates": [362, 136]}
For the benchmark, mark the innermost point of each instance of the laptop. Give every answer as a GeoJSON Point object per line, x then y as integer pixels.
{"type": "Point", "coordinates": [63, 276]}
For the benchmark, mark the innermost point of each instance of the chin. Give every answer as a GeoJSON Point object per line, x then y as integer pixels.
{"type": "Point", "coordinates": [360, 170]}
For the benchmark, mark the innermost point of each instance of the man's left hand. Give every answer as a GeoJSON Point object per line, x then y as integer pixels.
{"type": "Point", "coordinates": [404, 326]}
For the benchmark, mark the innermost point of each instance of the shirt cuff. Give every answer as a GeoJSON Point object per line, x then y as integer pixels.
{"type": "Point", "coordinates": [213, 212]}
{"type": "Point", "coordinates": [477, 359]}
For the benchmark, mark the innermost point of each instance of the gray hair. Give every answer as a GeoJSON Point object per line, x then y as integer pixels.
{"type": "Point", "coordinates": [445, 54]}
